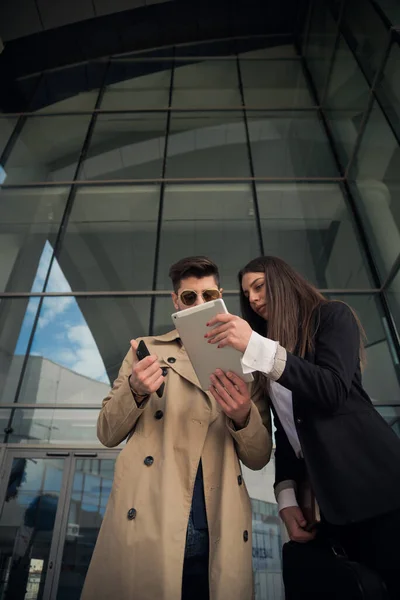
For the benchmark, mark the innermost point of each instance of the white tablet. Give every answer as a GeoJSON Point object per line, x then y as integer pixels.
{"type": "Point", "coordinates": [191, 324]}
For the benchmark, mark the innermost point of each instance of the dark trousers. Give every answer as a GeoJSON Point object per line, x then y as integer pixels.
{"type": "Point", "coordinates": [195, 585]}
{"type": "Point", "coordinates": [376, 544]}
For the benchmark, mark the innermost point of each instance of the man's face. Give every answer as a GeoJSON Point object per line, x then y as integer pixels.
{"type": "Point", "coordinates": [196, 285]}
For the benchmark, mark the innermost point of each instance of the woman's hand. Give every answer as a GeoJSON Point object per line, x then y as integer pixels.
{"type": "Point", "coordinates": [230, 330]}
{"type": "Point", "coordinates": [295, 523]}
{"type": "Point", "coordinates": [232, 394]}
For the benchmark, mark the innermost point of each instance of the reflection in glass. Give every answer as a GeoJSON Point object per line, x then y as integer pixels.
{"type": "Point", "coordinates": [77, 349]}
{"type": "Point", "coordinates": [126, 146]}
{"type": "Point", "coordinates": [212, 219]}
{"type": "Point", "coordinates": [391, 414]}
{"type": "Point", "coordinates": [274, 84]}
{"type": "Point", "coordinates": [7, 125]}
{"type": "Point", "coordinates": [206, 84]}
{"type": "Point", "coordinates": [207, 144]}
{"type": "Point", "coordinates": [110, 240]}
{"type": "Point", "coordinates": [137, 84]}
{"type": "Point", "coordinates": [320, 45]}
{"type": "Point", "coordinates": [26, 526]}
{"type": "Point", "coordinates": [369, 33]}
{"type": "Point", "coordinates": [346, 101]}
{"type": "Point", "coordinates": [289, 144]}
{"type": "Point", "coordinates": [377, 189]}
{"type": "Point", "coordinates": [388, 87]}
{"type": "Point", "coordinates": [57, 425]}
{"type": "Point", "coordinates": [91, 488]}
{"type": "Point", "coordinates": [47, 149]}
{"type": "Point", "coordinates": [28, 218]}
{"type": "Point", "coordinates": [381, 378]}
{"type": "Point", "coordinates": [310, 226]}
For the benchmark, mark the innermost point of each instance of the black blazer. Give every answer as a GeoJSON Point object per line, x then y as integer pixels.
{"type": "Point", "coordinates": [351, 454]}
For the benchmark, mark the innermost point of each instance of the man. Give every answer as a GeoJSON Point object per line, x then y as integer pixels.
{"type": "Point", "coordinates": [178, 521]}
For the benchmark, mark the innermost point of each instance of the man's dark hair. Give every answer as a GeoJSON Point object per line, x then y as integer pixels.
{"type": "Point", "coordinates": [193, 266]}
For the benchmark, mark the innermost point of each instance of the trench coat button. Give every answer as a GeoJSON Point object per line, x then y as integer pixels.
{"type": "Point", "coordinates": [164, 371]}
{"type": "Point", "coordinates": [245, 535]}
{"type": "Point", "coordinates": [148, 461]}
{"type": "Point", "coordinates": [158, 414]}
{"type": "Point", "coordinates": [171, 360]}
{"type": "Point", "coordinates": [299, 420]}
{"type": "Point", "coordinates": [240, 479]}
{"type": "Point", "coordinates": [131, 514]}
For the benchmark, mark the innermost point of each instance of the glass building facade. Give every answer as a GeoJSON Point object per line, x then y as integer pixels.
{"type": "Point", "coordinates": [116, 168]}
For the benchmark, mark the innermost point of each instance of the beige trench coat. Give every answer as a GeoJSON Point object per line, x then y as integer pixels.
{"type": "Point", "coordinates": [141, 558]}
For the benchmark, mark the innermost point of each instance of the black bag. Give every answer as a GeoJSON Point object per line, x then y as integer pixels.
{"type": "Point", "coordinates": [321, 570]}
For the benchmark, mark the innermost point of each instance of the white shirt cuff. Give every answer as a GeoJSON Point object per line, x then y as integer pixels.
{"type": "Point", "coordinates": [287, 498]}
{"type": "Point", "coordinates": [260, 355]}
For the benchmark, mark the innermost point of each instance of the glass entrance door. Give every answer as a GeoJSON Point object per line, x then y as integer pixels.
{"type": "Point", "coordinates": [29, 522]}
{"type": "Point", "coordinates": [52, 506]}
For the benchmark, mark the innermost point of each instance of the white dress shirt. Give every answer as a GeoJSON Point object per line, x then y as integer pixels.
{"type": "Point", "coordinates": [259, 356]}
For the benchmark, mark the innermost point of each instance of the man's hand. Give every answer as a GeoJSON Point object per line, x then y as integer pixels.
{"type": "Point", "coordinates": [232, 394]}
{"type": "Point", "coordinates": [146, 376]}
{"type": "Point", "coordinates": [230, 330]}
{"type": "Point", "coordinates": [295, 523]}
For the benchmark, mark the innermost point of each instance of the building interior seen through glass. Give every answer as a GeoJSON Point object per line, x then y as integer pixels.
{"type": "Point", "coordinates": [284, 144]}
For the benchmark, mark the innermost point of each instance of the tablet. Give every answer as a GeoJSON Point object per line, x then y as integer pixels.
{"type": "Point", "coordinates": [191, 324]}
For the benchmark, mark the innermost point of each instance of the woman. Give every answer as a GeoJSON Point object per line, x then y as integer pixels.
{"type": "Point", "coordinates": [327, 430]}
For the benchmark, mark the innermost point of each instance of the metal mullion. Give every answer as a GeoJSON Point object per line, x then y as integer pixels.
{"type": "Point", "coordinates": [307, 27]}
{"type": "Point", "coordinates": [250, 157]}
{"type": "Point", "coordinates": [161, 204]}
{"type": "Point", "coordinates": [59, 239]}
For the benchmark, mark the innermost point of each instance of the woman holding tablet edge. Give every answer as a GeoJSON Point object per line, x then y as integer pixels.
{"type": "Point", "coordinates": [327, 430]}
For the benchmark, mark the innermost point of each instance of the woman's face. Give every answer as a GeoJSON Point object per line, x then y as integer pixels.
{"type": "Point", "coordinates": [253, 286]}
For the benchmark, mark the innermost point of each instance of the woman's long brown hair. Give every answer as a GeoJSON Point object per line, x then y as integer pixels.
{"type": "Point", "coordinates": [291, 304]}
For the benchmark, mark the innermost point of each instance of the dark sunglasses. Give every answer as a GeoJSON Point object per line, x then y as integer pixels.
{"type": "Point", "coordinates": [189, 297]}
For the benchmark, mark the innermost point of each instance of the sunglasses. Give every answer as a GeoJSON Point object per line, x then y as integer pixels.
{"type": "Point", "coordinates": [189, 297]}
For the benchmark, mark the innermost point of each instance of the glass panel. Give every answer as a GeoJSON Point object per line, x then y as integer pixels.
{"type": "Point", "coordinates": [380, 378]}
{"type": "Point", "coordinates": [212, 219]}
{"type": "Point", "coordinates": [391, 9]}
{"type": "Point", "coordinates": [272, 47]}
{"type": "Point", "coordinates": [388, 88]}
{"type": "Point", "coordinates": [309, 226]}
{"type": "Point", "coordinates": [29, 219]}
{"type": "Point", "coordinates": [126, 146]}
{"type": "Point", "coordinates": [26, 526]}
{"type": "Point", "coordinates": [77, 348]}
{"type": "Point", "coordinates": [70, 89]}
{"type": "Point", "coordinates": [391, 414]}
{"type": "Point", "coordinates": [47, 149]}
{"type": "Point", "coordinates": [206, 84]}
{"type": "Point", "coordinates": [369, 34]}
{"type": "Point", "coordinates": [56, 426]}
{"type": "Point", "coordinates": [209, 144]}
{"type": "Point", "coordinates": [289, 144]}
{"type": "Point", "coordinates": [377, 189]}
{"type": "Point", "coordinates": [321, 41]}
{"type": "Point", "coordinates": [137, 84]}
{"type": "Point", "coordinates": [346, 101]}
{"type": "Point", "coordinates": [110, 240]}
{"type": "Point", "coordinates": [7, 125]}
{"type": "Point", "coordinates": [268, 533]}
{"type": "Point", "coordinates": [91, 489]}
{"type": "Point", "coordinates": [274, 84]}
{"type": "Point", "coordinates": [393, 296]}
